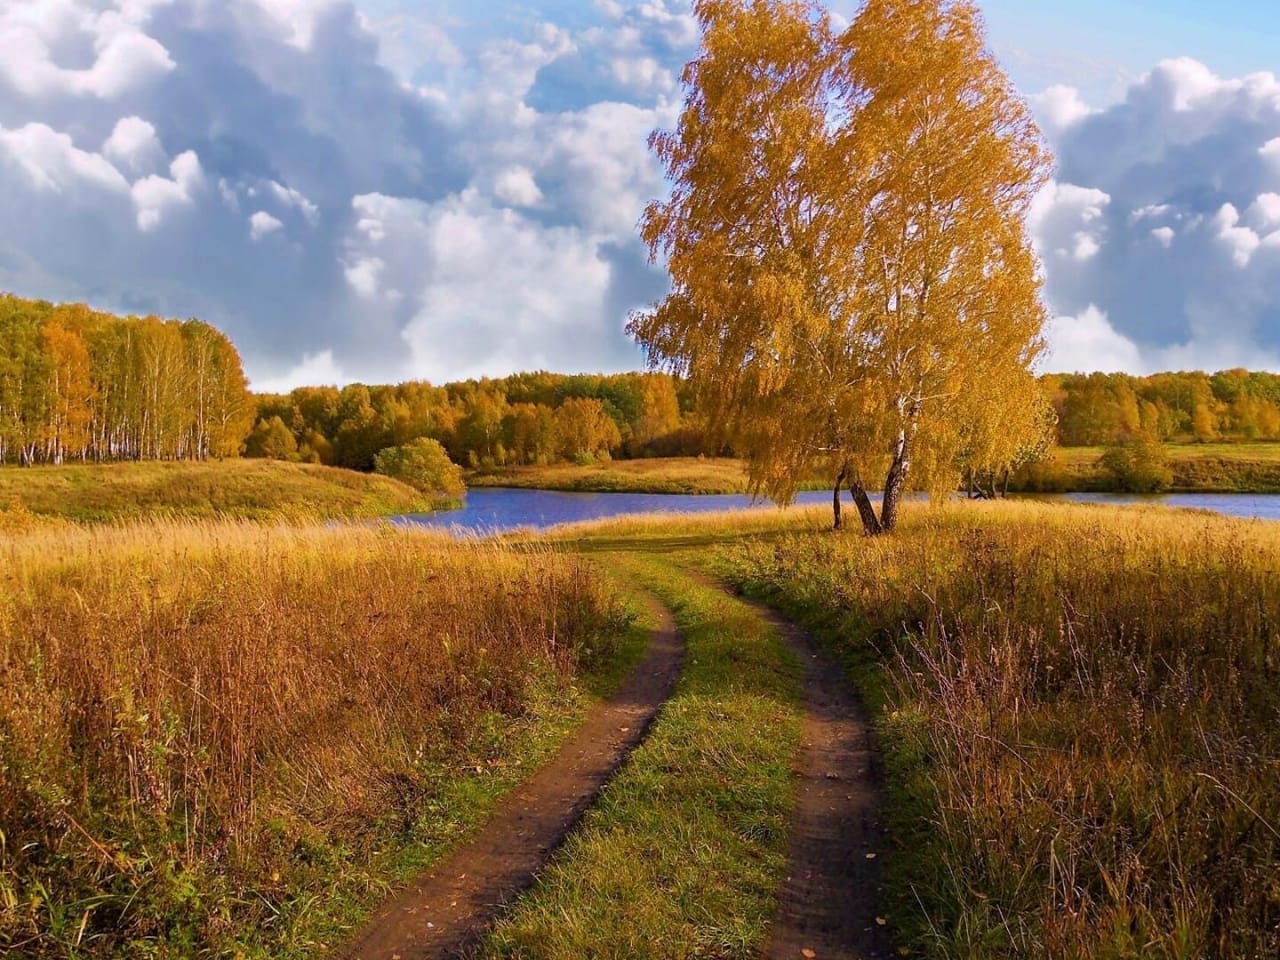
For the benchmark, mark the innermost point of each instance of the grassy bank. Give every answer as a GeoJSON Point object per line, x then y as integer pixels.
{"type": "Point", "coordinates": [1079, 710]}
{"type": "Point", "coordinates": [695, 475]}
{"type": "Point", "coordinates": [684, 854]}
{"type": "Point", "coordinates": [226, 740]}
{"type": "Point", "coordinates": [1195, 468]}
{"type": "Point", "coordinates": [239, 489]}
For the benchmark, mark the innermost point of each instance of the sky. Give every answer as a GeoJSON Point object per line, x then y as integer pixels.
{"type": "Point", "coordinates": [383, 190]}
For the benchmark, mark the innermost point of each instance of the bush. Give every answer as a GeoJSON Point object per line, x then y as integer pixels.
{"type": "Point", "coordinates": [424, 465]}
{"type": "Point", "coordinates": [1138, 465]}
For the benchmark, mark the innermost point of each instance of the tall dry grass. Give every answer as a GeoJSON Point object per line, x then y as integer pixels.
{"type": "Point", "coordinates": [201, 722]}
{"type": "Point", "coordinates": [1082, 721]}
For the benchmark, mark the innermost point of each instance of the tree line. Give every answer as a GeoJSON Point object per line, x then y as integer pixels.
{"type": "Point", "coordinates": [1099, 409]}
{"type": "Point", "coordinates": [77, 384]}
{"type": "Point", "coordinates": [526, 419]}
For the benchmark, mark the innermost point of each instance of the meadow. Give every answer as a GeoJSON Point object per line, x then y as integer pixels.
{"type": "Point", "coordinates": [1078, 709]}
{"type": "Point", "coordinates": [695, 475]}
{"type": "Point", "coordinates": [1194, 468]}
{"type": "Point", "coordinates": [236, 489]}
{"type": "Point", "coordinates": [222, 739]}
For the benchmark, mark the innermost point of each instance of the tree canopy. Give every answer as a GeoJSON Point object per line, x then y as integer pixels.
{"type": "Point", "coordinates": [853, 286]}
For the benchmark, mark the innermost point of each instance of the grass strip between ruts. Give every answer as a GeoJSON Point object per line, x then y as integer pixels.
{"type": "Point", "coordinates": [684, 853]}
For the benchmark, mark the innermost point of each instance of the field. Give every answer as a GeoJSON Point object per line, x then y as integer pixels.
{"type": "Point", "coordinates": [1196, 468]}
{"type": "Point", "coordinates": [696, 475]}
{"type": "Point", "coordinates": [1078, 709]}
{"type": "Point", "coordinates": [243, 489]}
{"type": "Point", "coordinates": [223, 737]}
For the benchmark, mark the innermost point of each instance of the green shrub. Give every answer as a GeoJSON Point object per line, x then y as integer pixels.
{"type": "Point", "coordinates": [424, 465]}
{"type": "Point", "coordinates": [1138, 465]}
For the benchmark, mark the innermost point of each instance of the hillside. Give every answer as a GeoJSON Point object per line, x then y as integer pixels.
{"type": "Point", "coordinates": [244, 489]}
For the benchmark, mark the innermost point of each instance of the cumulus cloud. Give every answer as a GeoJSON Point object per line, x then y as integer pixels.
{"type": "Point", "coordinates": [1160, 235]}
{"type": "Point", "coordinates": [1089, 342]}
{"type": "Point", "coordinates": [154, 196]}
{"type": "Point", "coordinates": [387, 197]}
{"type": "Point", "coordinates": [133, 145]}
{"type": "Point", "coordinates": [263, 224]}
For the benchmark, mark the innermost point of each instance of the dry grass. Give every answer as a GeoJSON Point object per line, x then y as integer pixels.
{"type": "Point", "coordinates": [1082, 720]}
{"type": "Point", "coordinates": [697, 475]}
{"type": "Point", "coordinates": [241, 489]}
{"type": "Point", "coordinates": [208, 732]}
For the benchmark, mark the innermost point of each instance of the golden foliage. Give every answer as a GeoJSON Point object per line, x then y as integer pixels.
{"type": "Point", "coordinates": [853, 284]}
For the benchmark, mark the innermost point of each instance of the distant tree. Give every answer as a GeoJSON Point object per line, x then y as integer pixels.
{"type": "Point", "coordinates": [271, 440]}
{"type": "Point", "coordinates": [424, 465]}
{"type": "Point", "coordinates": [852, 277]}
{"type": "Point", "coordinates": [584, 431]}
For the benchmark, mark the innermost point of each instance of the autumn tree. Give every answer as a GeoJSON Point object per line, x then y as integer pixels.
{"type": "Point", "coordinates": [853, 286]}
{"type": "Point", "coordinates": [424, 465]}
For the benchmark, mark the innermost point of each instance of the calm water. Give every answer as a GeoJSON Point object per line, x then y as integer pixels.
{"type": "Point", "coordinates": [494, 511]}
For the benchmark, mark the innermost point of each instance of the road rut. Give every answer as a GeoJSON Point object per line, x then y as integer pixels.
{"type": "Point", "coordinates": [445, 911]}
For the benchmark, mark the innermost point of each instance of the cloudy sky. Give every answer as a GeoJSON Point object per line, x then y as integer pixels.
{"type": "Point", "coordinates": [393, 189]}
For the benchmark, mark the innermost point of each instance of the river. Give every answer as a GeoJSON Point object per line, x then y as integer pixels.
{"type": "Point", "coordinates": [498, 510]}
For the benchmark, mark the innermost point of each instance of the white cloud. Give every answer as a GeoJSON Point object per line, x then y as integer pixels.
{"type": "Point", "coordinates": [314, 369]}
{"type": "Point", "coordinates": [516, 186]}
{"type": "Point", "coordinates": [52, 162]}
{"type": "Point", "coordinates": [154, 196]}
{"type": "Point", "coordinates": [292, 198]}
{"type": "Point", "coordinates": [1241, 241]}
{"type": "Point", "coordinates": [1086, 343]}
{"type": "Point", "coordinates": [488, 291]}
{"type": "Point", "coordinates": [134, 146]}
{"type": "Point", "coordinates": [1060, 108]}
{"type": "Point", "coordinates": [263, 224]}
{"type": "Point", "coordinates": [124, 57]}
{"type": "Point", "coordinates": [1161, 234]}
{"type": "Point", "coordinates": [363, 276]}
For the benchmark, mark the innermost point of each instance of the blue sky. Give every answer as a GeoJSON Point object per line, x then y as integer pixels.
{"type": "Point", "coordinates": [1100, 46]}
{"type": "Point", "coordinates": [393, 189]}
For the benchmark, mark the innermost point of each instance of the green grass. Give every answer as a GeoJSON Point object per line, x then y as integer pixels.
{"type": "Point", "coordinates": [685, 851]}
{"type": "Point", "coordinates": [693, 475]}
{"type": "Point", "coordinates": [239, 489]}
{"type": "Point", "coordinates": [1196, 468]}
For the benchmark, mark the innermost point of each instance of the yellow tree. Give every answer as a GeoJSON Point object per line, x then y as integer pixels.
{"type": "Point", "coordinates": [69, 392]}
{"type": "Point", "coordinates": [853, 287]}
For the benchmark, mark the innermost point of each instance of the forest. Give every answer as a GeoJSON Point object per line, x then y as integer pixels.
{"type": "Point", "coordinates": [79, 385]}
{"type": "Point", "coordinates": [85, 386]}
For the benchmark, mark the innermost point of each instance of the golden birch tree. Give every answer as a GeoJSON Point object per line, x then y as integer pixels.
{"type": "Point", "coordinates": [853, 287]}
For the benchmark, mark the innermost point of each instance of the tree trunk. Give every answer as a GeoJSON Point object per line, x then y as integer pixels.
{"type": "Point", "coordinates": [835, 502]}
{"type": "Point", "coordinates": [870, 522]}
{"type": "Point", "coordinates": [895, 483]}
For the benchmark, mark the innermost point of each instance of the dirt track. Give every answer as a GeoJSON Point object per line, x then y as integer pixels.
{"type": "Point", "coordinates": [827, 907]}
{"type": "Point", "coordinates": [443, 912]}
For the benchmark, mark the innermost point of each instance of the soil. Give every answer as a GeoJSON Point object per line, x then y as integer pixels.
{"type": "Point", "coordinates": [827, 905]}
{"type": "Point", "coordinates": [445, 911]}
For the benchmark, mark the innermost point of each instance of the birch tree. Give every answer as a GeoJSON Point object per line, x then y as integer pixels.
{"type": "Point", "coordinates": [853, 287]}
